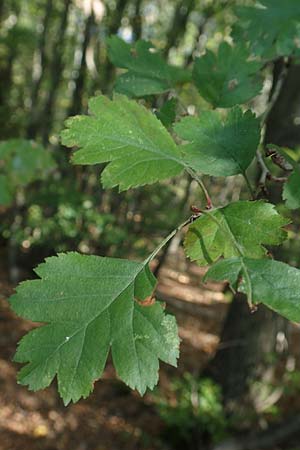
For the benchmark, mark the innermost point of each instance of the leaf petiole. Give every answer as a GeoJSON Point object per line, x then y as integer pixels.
{"type": "Point", "coordinates": [170, 236]}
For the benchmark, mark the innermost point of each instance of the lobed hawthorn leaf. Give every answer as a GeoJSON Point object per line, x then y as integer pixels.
{"type": "Point", "coordinates": [271, 27]}
{"type": "Point", "coordinates": [88, 305]}
{"type": "Point", "coordinates": [220, 147]}
{"type": "Point", "coordinates": [128, 136]}
{"type": "Point", "coordinates": [251, 224]}
{"type": "Point", "coordinates": [271, 282]}
{"type": "Point", "coordinates": [148, 73]}
{"type": "Point", "coordinates": [228, 77]}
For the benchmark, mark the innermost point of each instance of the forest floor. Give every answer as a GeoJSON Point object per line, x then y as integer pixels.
{"type": "Point", "coordinates": [113, 417]}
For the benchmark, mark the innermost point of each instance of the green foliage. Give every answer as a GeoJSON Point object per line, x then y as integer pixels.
{"type": "Point", "coordinates": [21, 162]}
{"type": "Point", "coordinates": [167, 113]}
{"type": "Point", "coordinates": [19, 38]}
{"type": "Point", "coordinates": [228, 77]}
{"type": "Point", "coordinates": [148, 73]}
{"type": "Point", "coordinates": [220, 147]}
{"type": "Point", "coordinates": [271, 27]}
{"type": "Point", "coordinates": [5, 191]}
{"type": "Point", "coordinates": [250, 224]}
{"type": "Point", "coordinates": [271, 282]}
{"type": "Point", "coordinates": [131, 138]}
{"type": "Point", "coordinates": [195, 407]}
{"type": "Point", "coordinates": [291, 190]}
{"type": "Point", "coordinates": [91, 304]}
{"type": "Point", "coordinates": [67, 225]}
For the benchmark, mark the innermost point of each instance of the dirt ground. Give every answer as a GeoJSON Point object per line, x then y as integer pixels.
{"type": "Point", "coordinates": [113, 417]}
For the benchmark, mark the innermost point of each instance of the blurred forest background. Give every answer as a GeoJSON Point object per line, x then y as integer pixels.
{"type": "Point", "coordinates": [235, 389]}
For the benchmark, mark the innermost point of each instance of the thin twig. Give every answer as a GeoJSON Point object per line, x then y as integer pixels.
{"type": "Point", "coordinates": [191, 219]}
{"type": "Point", "coordinates": [202, 186]}
{"type": "Point", "coordinates": [276, 92]}
{"type": "Point", "coordinates": [249, 185]}
{"type": "Point", "coordinates": [264, 169]}
{"type": "Point", "coordinates": [266, 174]}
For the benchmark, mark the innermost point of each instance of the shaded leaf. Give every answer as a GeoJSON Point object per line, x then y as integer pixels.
{"type": "Point", "coordinates": [271, 27]}
{"type": "Point", "coordinates": [228, 77]}
{"type": "Point", "coordinates": [271, 282]}
{"type": "Point", "coordinates": [167, 113]}
{"type": "Point", "coordinates": [5, 191]}
{"type": "Point", "coordinates": [88, 305]}
{"type": "Point", "coordinates": [148, 73]}
{"type": "Point", "coordinates": [220, 147]}
{"type": "Point", "coordinates": [291, 190]}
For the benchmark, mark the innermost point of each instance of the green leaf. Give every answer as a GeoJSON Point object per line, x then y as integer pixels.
{"type": "Point", "coordinates": [24, 161]}
{"type": "Point", "coordinates": [250, 224]}
{"type": "Point", "coordinates": [220, 147]}
{"type": "Point", "coordinates": [228, 77]}
{"type": "Point", "coordinates": [167, 113]}
{"type": "Point", "coordinates": [148, 73]}
{"type": "Point", "coordinates": [88, 304]}
{"type": "Point", "coordinates": [5, 191]}
{"type": "Point", "coordinates": [130, 137]}
{"type": "Point", "coordinates": [271, 27]}
{"type": "Point", "coordinates": [291, 190]}
{"type": "Point", "coordinates": [273, 283]}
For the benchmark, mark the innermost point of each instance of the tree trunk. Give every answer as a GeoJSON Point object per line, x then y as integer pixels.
{"type": "Point", "coordinates": [281, 128]}
{"type": "Point", "coordinates": [248, 339]}
{"type": "Point", "coordinates": [37, 79]}
{"type": "Point", "coordinates": [179, 22]}
{"type": "Point", "coordinates": [55, 74]}
{"type": "Point", "coordinates": [108, 70]}
{"type": "Point", "coordinates": [137, 21]}
{"type": "Point", "coordinates": [76, 103]}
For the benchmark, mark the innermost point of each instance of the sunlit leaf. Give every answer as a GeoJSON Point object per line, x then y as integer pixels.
{"type": "Point", "coordinates": [128, 136]}
{"type": "Point", "coordinates": [249, 225]}
{"type": "Point", "coordinates": [89, 305]}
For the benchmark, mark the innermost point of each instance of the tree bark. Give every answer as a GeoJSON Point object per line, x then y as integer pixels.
{"type": "Point", "coordinates": [36, 84]}
{"type": "Point", "coordinates": [179, 22]}
{"type": "Point", "coordinates": [137, 21]}
{"type": "Point", "coordinates": [108, 70]}
{"type": "Point", "coordinates": [281, 128]}
{"type": "Point", "coordinates": [76, 103]}
{"type": "Point", "coordinates": [55, 74]}
{"type": "Point", "coordinates": [276, 435]}
{"type": "Point", "coordinates": [247, 338]}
